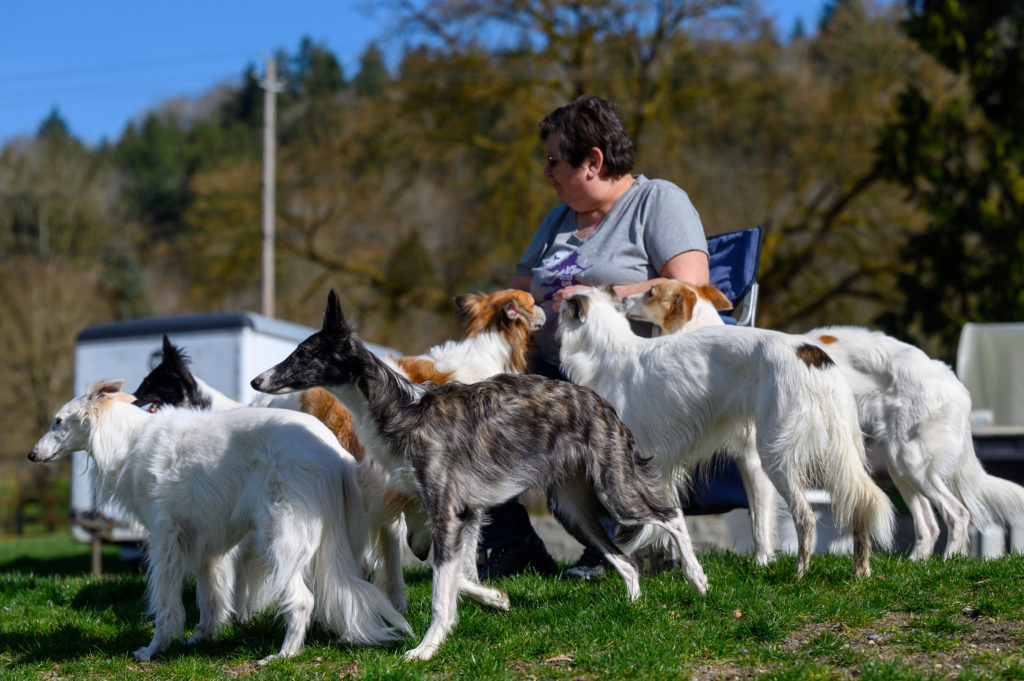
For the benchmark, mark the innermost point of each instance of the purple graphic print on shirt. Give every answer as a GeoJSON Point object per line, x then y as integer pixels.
{"type": "Point", "coordinates": [562, 269]}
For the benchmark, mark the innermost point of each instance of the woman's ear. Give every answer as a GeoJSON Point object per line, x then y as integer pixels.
{"type": "Point", "coordinates": [594, 161]}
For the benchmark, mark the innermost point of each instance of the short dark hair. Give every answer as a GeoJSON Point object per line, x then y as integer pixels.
{"type": "Point", "coordinates": [590, 121]}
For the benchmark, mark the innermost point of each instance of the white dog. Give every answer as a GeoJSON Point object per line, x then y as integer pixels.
{"type": "Point", "coordinates": [913, 409]}
{"type": "Point", "coordinates": [688, 396]}
{"type": "Point", "coordinates": [202, 481]}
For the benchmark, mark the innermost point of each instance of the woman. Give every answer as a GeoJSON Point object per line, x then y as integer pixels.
{"type": "Point", "coordinates": [611, 228]}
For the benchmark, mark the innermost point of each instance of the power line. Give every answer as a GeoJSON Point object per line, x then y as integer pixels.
{"type": "Point", "coordinates": [172, 62]}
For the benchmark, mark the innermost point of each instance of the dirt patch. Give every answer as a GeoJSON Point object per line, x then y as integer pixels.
{"type": "Point", "coordinates": [529, 671]}
{"type": "Point", "coordinates": [844, 649]}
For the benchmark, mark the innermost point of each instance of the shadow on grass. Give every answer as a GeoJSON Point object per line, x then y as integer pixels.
{"type": "Point", "coordinates": [73, 565]}
{"type": "Point", "coordinates": [67, 642]}
{"type": "Point", "coordinates": [121, 599]}
{"type": "Point", "coordinates": [252, 641]}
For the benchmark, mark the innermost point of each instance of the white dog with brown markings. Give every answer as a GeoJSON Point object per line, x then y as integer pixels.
{"type": "Point", "coordinates": [913, 409]}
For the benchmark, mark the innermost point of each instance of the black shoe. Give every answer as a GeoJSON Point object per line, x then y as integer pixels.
{"type": "Point", "coordinates": [515, 558]}
{"type": "Point", "coordinates": [590, 564]}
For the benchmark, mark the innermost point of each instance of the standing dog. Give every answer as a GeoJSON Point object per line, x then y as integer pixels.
{"type": "Point", "coordinates": [201, 482]}
{"type": "Point", "coordinates": [913, 409]}
{"type": "Point", "coordinates": [687, 396]}
{"type": "Point", "coordinates": [172, 383]}
{"type": "Point", "coordinates": [465, 448]}
{"type": "Point", "coordinates": [498, 328]}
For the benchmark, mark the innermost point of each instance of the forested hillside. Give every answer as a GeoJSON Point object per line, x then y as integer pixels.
{"type": "Point", "coordinates": [882, 150]}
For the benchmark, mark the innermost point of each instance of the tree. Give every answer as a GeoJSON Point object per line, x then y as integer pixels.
{"type": "Point", "coordinates": [373, 78]}
{"type": "Point", "coordinates": [959, 153]}
{"type": "Point", "coordinates": [156, 164]}
{"type": "Point", "coordinates": [44, 303]}
{"type": "Point", "coordinates": [54, 127]}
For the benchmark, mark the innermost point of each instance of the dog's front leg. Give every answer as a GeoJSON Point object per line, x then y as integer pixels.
{"type": "Point", "coordinates": [443, 605]}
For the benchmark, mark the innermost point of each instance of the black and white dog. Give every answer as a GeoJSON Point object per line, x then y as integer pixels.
{"type": "Point", "coordinates": [465, 448]}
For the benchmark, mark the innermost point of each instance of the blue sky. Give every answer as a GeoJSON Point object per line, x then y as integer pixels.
{"type": "Point", "coordinates": [103, 62]}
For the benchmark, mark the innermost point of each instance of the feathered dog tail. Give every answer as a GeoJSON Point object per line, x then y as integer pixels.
{"type": "Point", "coordinates": [828, 431]}
{"type": "Point", "coordinates": [345, 602]}
{"type": "Point", "coordinates": [988, 498]}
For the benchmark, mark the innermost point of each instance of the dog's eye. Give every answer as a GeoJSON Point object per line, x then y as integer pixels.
{"type": "Point", "coordinates": [57, 423]}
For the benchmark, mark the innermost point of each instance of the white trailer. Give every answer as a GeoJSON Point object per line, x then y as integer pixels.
{"type": "Point", "coordinates": [227, 351]}
{"type": "Point", "coordinates": [990, 362]}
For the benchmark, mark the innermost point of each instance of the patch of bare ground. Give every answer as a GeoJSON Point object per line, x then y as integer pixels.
{"type": "Point", "coordinates": [884, 641]}
{"type": "Point", "coordinates": [528, 670]}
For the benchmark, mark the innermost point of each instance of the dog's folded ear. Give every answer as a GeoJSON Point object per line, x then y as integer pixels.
{"type": "Point", "coordinates": [512, 308]}
{"type": "Point", "coordinates": [575, 307]}
{"type": "Point", "coordinates": [108, 387]}
{"type": "Point", "coordinates": [716, 297]}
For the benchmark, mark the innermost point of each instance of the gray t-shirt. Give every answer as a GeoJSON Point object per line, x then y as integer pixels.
{"type": "Point", "coordinates": [650, 224]}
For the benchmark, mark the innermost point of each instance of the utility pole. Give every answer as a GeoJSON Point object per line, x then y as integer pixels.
{"type": "Point", "coordinates": [270, 87]}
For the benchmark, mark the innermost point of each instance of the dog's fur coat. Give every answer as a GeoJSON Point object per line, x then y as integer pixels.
{"type": "Point", "coordinates": [201, 482]}
{"type": "Point", "coordinates": [172, 383]}
{"type": "Point", "coordinates": [498, 328]}
{"type": "Point", "coordinates": [913, 409]}
{"type": "Point", "coordinates": [688, 396]}
{"type": "Point", "coordinates": [465, 448]}
{"type": "Point", "coordinates": [496, 338]}
{"type": "Point", "coordinates": [917, 415]}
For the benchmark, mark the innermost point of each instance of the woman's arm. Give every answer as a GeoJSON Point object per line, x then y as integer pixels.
{"type": "Point", "coordinates": [690, 266]}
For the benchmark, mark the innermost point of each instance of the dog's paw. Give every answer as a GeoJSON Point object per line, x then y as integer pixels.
{"type": "Point", "coordinates": [143, 655]}
{"type": "Point", "coordinates": [421, 652]}
{"type": "Point", "coordinates": [267, 660]}
{"type": "Point", "coordinates": [495, 598]}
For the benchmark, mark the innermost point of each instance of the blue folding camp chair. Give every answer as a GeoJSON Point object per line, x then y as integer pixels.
{"type": "Point", "coordinates": [734, 259]}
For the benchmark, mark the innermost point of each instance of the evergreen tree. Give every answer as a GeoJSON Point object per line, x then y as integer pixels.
{"type": "Point", "coordinates": [960, 155]}
{"type": "Point", "coordinates": [373, 78]}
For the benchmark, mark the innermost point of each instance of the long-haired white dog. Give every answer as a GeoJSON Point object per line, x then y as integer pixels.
{"type": "Point", "coordinates": [200, 482]}
{"type": "Point", "coordinates": [688, 396]}
{"type": "Point", "coordinates": [913, 409]}
{"type": "Point", "coordinates": [172, 383]}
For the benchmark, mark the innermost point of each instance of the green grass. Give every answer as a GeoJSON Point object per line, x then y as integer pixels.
{"type": "Point", "coordinates": [958, 619]}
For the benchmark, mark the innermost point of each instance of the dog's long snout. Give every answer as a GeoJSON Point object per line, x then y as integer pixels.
{"type": "Point", "coordinates": [38, 455]}
{"type": "Point", "coordinates": [258, 382]}
{"type": "Point", "coordinates": [265, 383]}
{"type": "Point", "coordinates": [538, 318]}
{"type": "Point", "coordinates": [632, 305]}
